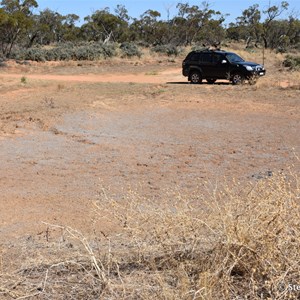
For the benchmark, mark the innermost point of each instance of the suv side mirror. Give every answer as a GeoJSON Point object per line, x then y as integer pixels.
{"type": "Point", "coordinates": [224, 61]}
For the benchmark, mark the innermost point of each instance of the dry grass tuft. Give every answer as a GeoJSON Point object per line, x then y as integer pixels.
{"type": "Point", "coordinates": [239, 243]}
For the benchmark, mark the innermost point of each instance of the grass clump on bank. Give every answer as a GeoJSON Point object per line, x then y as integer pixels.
{"type": "Point", "coordinates": [239, 243]}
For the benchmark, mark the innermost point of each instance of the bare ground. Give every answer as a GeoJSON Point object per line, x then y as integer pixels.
{"type": "Point", "coordinates": [69, 131]}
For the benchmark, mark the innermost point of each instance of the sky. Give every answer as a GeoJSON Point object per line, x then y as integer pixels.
{"type": "Point", "coordinates": [135, 8]}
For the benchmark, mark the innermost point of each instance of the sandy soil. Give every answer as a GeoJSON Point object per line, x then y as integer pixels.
{"type": "Point", "coordinates": [69, 132]}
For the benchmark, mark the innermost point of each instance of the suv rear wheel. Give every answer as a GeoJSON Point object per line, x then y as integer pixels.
{"type": "Point", "coordinates": [237, 78]}
{"type": "Point", "coordinates": [195, 77]}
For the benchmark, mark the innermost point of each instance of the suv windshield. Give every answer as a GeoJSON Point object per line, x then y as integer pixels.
{"type": "Point", "coordinates": [232, 57]}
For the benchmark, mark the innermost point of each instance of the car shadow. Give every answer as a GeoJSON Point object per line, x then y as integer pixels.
{"type": "Point", "coordinates": [203, 83]}
{"type": "Point", "coordinates": [180, 82]}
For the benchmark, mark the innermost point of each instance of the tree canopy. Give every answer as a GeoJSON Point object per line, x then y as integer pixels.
{"type": "Point", "coordinates": [200, 24]}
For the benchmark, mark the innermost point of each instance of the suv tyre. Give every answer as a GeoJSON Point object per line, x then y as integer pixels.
{"type": "Point", "coordinates": [195, 77]}
{"type": "Point", "coordinates": [237, 78]}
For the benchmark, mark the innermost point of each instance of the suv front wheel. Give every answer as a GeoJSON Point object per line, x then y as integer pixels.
{"type": "Point", "coordinates": [237, 79]}
{"type": "Point", "coordinates": [195, 77]}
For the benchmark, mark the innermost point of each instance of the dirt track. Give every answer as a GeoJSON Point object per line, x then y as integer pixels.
{"type": "Point", "coordinates": [64, 138]}
{"type": "Point", "coordinates": [134, 78]}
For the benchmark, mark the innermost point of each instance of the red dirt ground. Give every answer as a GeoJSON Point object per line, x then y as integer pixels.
{"type": "Point", "coordinates": [65, 138]}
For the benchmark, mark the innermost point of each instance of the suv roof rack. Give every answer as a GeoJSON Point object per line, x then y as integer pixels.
{"type": "Point", "coordinates": [209, 49]}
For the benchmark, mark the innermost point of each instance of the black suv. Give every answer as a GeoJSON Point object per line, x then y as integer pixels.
{"type": "Point", "coordinates": [217, 64]}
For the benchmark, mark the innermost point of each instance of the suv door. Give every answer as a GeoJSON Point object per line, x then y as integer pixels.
{"type": "Point", "coordinates": [206, 64]}
{"type": "Point", "coordinates": [219, 70]}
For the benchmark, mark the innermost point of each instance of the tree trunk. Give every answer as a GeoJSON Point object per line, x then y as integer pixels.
{"type": "Point", "coordinates": [266, 44]}
{"type": "Point", "coordinates": [107, 39]}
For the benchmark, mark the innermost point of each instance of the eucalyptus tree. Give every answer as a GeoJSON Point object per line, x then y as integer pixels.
{"type": "Point", "coordinates": [105, 26]}
{"type": "Point", "coordinates": [52, 27]}
{"type": "Point", "coordinates": [249, 24]}
{"type": "Point", "coordinates": [194, 24]}
{"type": "Point", "coordinates": [15, 20]}
{"type": "Point", "coordinates": [272, 12]}
{"type": "Point", "coordinates": [261, 25]}
{"type": "Point", "coordinates": [145, 28]}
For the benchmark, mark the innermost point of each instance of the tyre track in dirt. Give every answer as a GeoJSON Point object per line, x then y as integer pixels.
{"type": "Point", "coordinates": [151, 77]}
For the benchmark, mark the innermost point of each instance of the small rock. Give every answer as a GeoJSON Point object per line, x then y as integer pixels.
{"type": "Point", "coordinates": [262, 175]}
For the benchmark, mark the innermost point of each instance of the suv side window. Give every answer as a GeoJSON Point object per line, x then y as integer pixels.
{"type": "Point", "coordinates": [206, 58]}
{"type": "Point", "coordinates": [195, 57]}
{"type": "Point", "coordinates": [216, 58]}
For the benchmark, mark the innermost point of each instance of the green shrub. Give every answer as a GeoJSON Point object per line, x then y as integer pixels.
{"type": "Point", "coordinates": [81, 53]}
{"type": "Point", "coordinates": [166, 49]}
{"type": "Point", "coordinates": [130, 50]}
{"type": "Point", "coordinates": [68, 51]}
{"type": "Point", "coordinates": [23, 80]}
{"type": "Point", "coordinates": [109, 50]}
{"type": "Point", "coordinates": [292, 62]}
{"type": "Point", "coordinates": [50, 55]}
{"type": "Point", "coordinates": [36, 54]}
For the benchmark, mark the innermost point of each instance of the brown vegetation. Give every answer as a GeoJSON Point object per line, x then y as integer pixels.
{"type": "Point", "coordinates": [239, 242]}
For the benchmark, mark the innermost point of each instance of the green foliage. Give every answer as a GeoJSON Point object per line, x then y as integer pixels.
{"type": "Point", "coordinates": [166, 49]}
{"type": "Point", "coordinates": [130, 50]}
{"type": "Point", "coordinates": [148, 28]}
{"type": "Point", "coordinates": [292, 62]}
{"type": "Point", "coordinates": [104, 26]}
{"type": "Point", "coordinates": [23, 80]}
{"type": "Point", "coordinates": [197, 24]}
{"type": "Point", "coordinates": [16, 19]}
{"type": "Point", "coordinates": [192, 24]}
{"type": "Point", "coordinates": [52, 27]}
{"type": "Point", "coordinates": [270, 32]}
{"type": "Point", "coordinates": [68, 51]}
{"type": "Point", "coordinates": [36, 54]}
{"type": "Point", "coordinates": [24, 6]}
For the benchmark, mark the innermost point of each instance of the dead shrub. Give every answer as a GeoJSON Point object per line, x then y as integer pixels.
{"type": "Point", "coordinates": [241, 242]}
